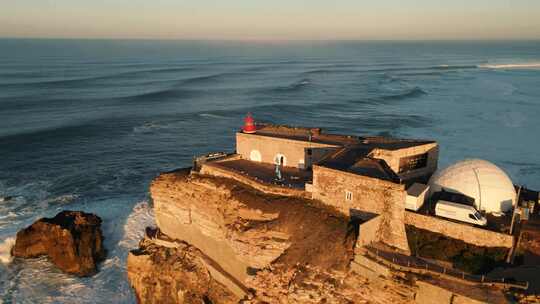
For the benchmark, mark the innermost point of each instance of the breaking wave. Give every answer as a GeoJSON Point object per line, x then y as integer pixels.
{"type": "Point", "coordinates": [148, 127]}
{"type": "Point", "coordinates": [209, 115]}
{"type": "Point", "coordinates": [62, 199]}
{"type": "Point", "coordinates": [296, 86]}
{"type": "Point", "coordinates": [532, 65]}
{"type": "Point", "coordinates": [442, 67]}
{"type": "Point", "coordinates": [141, 217]}
{"type": "Point", "coordinates": [5, 250]}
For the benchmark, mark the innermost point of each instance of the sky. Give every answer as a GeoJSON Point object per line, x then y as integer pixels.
{"type": "Point", "coordinates": [272, 20]}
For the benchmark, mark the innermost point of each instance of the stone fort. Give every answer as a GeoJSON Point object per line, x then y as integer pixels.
{"type": "Point", "coordinates": [364, 177]}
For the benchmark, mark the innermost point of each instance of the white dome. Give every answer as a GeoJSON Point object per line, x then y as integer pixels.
{"type": "Point", "coordinates": [490, 187]}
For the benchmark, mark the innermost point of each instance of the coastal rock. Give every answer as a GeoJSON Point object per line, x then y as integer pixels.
{"type": "Point", "coordinates": [173, 275]}
{"type": "Point", "coordinates": [72, 240]}
{"type": "Point", "coordinates": [224, 242]}
{"type": "Point", "coordinates": [243, 229]}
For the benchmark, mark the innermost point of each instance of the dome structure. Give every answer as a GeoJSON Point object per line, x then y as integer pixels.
{"type": "Point", "coordinates": [489, 186]}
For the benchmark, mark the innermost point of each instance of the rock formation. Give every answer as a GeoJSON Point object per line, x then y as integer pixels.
{"type": "Point", "coordinates": [174, 275]}
{"type": "Point", "coordinates": [72, 240]}
{"type": "Point", "coordinates": [225, 242]}
{"type": "Point", "coordinates": [222, 241]}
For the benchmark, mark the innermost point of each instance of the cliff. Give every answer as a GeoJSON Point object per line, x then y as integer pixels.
{"type": "Point", "coordinates": [225, 242]}
{"type": "Point", "coordinates": [174, 275]}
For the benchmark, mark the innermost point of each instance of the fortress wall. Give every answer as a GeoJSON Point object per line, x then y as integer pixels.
{"type": "Point", "coordinates": [330, 186]}
{"type": "Point", "coordinates": [466, 233]}
{"type": "Point", "coordinates": [367, 232]}
{"type": "Point", "coordinates": [269, 147]}
{"type": "Point", "coordinates": [392, 159]}
{"type": "Point", "coordinates": [369, 195]}
{"type": "Point", "coordinates": [210, 169]}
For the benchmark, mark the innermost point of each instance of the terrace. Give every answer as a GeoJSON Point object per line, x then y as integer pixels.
{"type": "Point", "coordinates": [266, 173]}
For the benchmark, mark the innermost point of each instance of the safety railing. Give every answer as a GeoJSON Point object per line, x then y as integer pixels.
{"type": "Point", "coordinates": [416, 265]}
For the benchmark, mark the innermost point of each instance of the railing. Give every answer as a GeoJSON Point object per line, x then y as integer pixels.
{"type": "Point", "coordinates": [411, 264]}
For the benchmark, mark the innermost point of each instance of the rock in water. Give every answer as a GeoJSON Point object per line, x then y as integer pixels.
{"type": "Point", "coordinates": [72, 240]}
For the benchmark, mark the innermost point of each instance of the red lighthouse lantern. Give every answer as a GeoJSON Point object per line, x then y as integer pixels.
{"type": "Point", "coordinates": [249, 124]}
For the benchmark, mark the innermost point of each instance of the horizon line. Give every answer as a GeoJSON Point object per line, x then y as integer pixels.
{"type": "Point", "coordinates": [278, 40]}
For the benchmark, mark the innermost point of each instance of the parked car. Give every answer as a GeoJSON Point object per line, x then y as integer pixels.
{"type": "Point", "coordinates": [459, 212]}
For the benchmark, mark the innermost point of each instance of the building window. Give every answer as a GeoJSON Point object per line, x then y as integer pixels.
{"type": "Point", "coordinates": [414, 162]}
{"type": "Point", "coordinates": [348, 196]}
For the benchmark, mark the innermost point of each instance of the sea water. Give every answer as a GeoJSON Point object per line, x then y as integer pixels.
{"type": "Point", "coordinates": [86, 124]}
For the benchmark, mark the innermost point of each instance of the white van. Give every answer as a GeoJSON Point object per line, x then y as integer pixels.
{"type": "Point", "coordinates": [459, 212]}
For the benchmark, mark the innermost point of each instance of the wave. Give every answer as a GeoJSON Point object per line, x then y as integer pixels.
{"type": "Point", "coordinates": [452, 67]}
{"type": "Point", "coordinates": [204, 79]}
{"type": "Point", "coordinates": [149, 126]}
{"type": "Point", "coordinates": [6, 198]}
{"type": "Point", "coordinates": [5, 250]}
{"type": "Point", "coordinates": [172, 93]}
{"type": "Point", "coordinates": [85, 80]}
{"type": "Point", "coordinates": [442, 67]}
{"type": "Point", "coordinates": [414, 92]}
{"type": "Point", "coordinates": [332, 71]}
{"type": "Point", "coordinates": [532, 65]}
{"type": "Point", "coordinates": [141, 217]}
{"type": "Point", "coordinates": [62, 199]}
{"type": "Point", "coordinates": [208, 115]}
{"type": "Point", "coordinates": [296, 86]}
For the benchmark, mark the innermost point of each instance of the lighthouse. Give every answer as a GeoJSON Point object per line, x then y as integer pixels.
{"type": "Point", "coordinates": [249, 124]}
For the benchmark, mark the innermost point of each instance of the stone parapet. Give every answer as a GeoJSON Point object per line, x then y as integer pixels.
{"type": "Point", "coordinates": [217, 171]}
{"type": "Point", "coordinates": [467, 233]}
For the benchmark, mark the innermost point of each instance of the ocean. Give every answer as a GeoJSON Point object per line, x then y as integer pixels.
{"type": "Point", "coordinates": [86, 124]}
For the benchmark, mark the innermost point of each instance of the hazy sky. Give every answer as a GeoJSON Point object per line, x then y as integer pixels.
{"type": "Point", "coordinates": [273, 19]}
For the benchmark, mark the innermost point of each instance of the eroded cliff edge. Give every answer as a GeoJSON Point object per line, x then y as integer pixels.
{"type": "Point", "coordinates": [248, 246]}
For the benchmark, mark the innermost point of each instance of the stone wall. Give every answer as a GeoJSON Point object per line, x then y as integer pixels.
{"type": "Point", "coordinates": [269, 147]}
{"type": "Point", "coordinates": [213, 170]}
{"type": "Point", "coordinates": [367, 232]}
{"type": "Point", "coordinates": [466, 233]}
{"type": "Point", "coordinates": [392, 157]}
{"type": "Point", "coordinates": [368, 195]}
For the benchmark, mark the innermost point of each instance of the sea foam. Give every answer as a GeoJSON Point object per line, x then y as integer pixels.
{"type": "Point", "coordinates": [141, 217]}
{"type": "Point", "coordinates": [532, 65]}
{"type": "Point", "coordinates": [5, 250]}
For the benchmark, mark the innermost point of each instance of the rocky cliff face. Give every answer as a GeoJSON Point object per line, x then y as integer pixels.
{"type": "Point", "coordinates": [174, 275]}
{"type": "Point", "coordinates": [245, 230]}
{"type": "Point", "coordinates": [248, 246]}
{"type": "Point", "coordinates": [72, 240]}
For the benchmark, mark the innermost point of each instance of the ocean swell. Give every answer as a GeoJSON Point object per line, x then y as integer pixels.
{"type": "Point", "coordinates": [442, 67]}
{"type": "Point", "coordinates": [412, 93]}
{"type": "Point", "coordinates": [82, 81]}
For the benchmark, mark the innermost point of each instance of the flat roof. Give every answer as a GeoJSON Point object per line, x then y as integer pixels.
{"type": "Point", "coordinates": [266, 173]}
{"type": "Point", "coordinates": [319, 136]}
{"type": "Point", "coordinates": [353, 156]}
{"type": "Point", "coordinates": [375, 168]}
